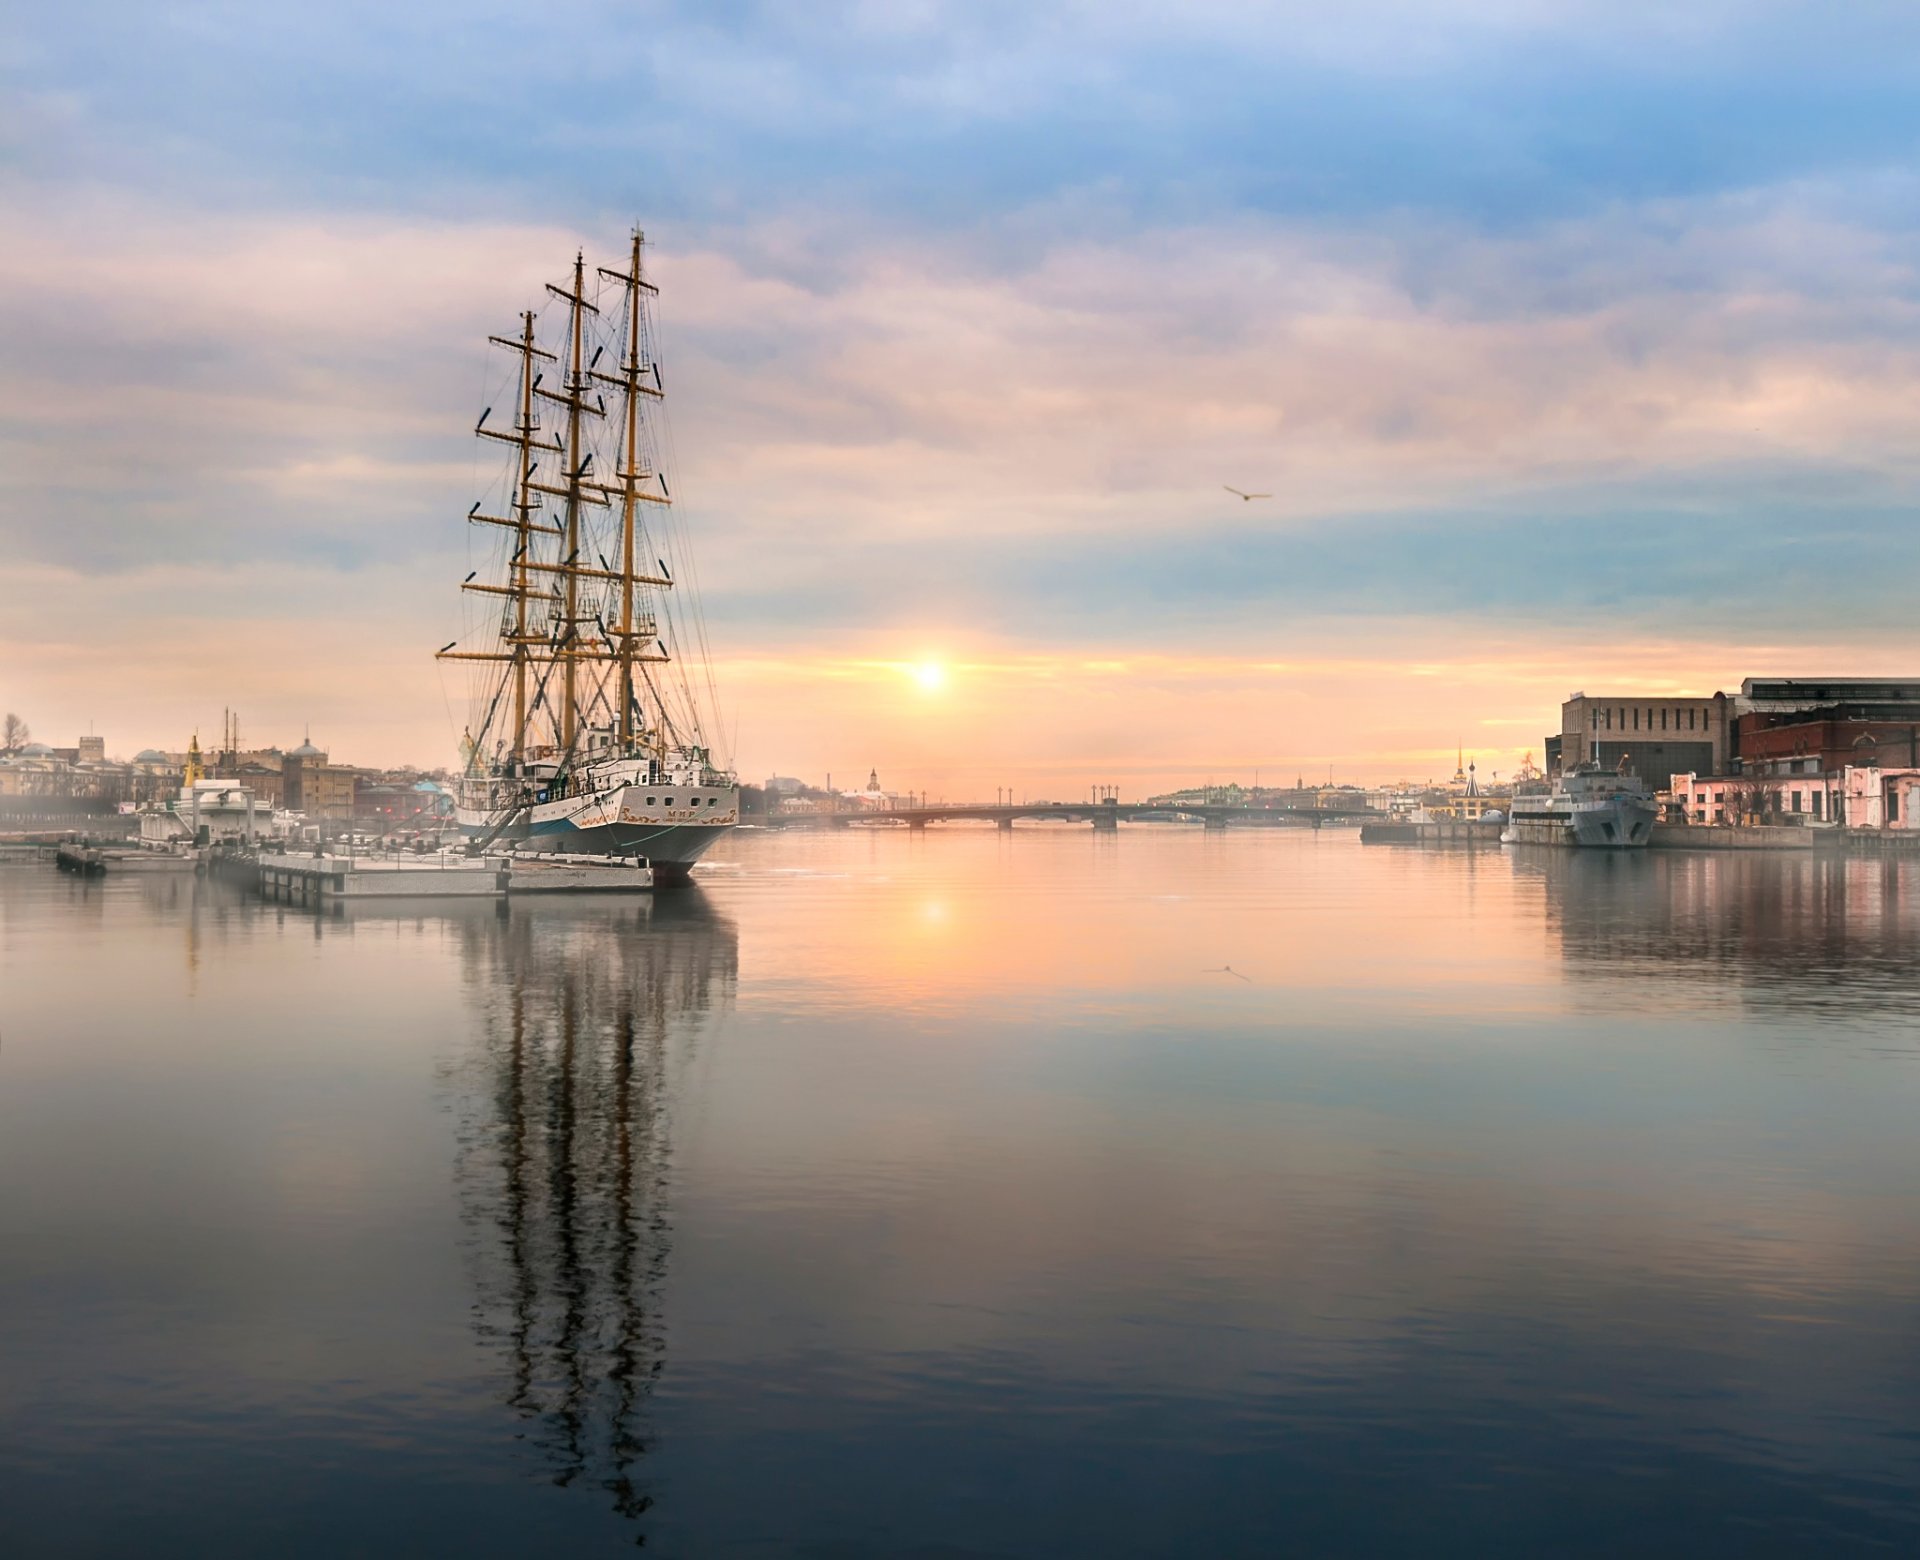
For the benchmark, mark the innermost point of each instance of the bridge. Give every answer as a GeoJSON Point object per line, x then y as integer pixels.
{"type": "Point", "coordinates": [1102, 815]}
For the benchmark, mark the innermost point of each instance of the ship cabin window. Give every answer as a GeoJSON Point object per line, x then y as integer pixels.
{"type": "Point", "coordinates": [669, 801]}
{"type": "Point", "coordinates": [1893, 806]}
{"type": "Point", "coordinates": [650, 801]}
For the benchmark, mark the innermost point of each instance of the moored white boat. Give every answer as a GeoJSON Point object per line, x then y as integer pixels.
{"type": "Point", "coordinates": [1588, 806]}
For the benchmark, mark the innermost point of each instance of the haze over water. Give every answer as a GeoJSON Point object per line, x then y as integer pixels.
{"type": "Point", "coordinates": [943, 1195]}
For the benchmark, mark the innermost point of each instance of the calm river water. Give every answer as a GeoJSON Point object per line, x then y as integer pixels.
{"type": "Point", "coordinates": [945, 1196]}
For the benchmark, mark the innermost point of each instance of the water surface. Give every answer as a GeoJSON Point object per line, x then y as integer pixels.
{"type": "Point", "coordinates": [972, 1194]}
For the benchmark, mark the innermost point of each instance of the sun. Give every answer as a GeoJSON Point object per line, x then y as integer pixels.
{"type": "Point", "coordinates": [931, 676]}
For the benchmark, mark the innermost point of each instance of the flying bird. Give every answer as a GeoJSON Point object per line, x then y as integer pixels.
{"type": "Point", "coordinates": [1228, 969]}
{"type": "Point", "coordinates": [1245, 497]}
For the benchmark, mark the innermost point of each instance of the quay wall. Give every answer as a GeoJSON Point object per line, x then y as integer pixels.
{"type": "Point", "coordinates": [1746, 836]}
{"type": "Point", "coordinates": [1437, 831]}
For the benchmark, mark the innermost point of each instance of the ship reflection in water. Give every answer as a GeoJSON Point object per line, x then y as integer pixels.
{"type": "Point", "coordinates": [563, 1161]}
{"type": "Point", "coordinates": [1518, 1201]}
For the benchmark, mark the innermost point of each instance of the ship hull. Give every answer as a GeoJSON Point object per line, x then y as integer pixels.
{"type": "Point", "coordinates": [1619, 824]}
{"type": "Point", "coordinates": [623, 822]}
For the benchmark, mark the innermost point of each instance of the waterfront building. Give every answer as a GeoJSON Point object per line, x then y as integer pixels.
{"type": "Point", "coordinates": [1465, 800]}
{"type": "Point", "coordinates": [312, 785]}
{"type": "Point", "coordinates": [872, 798]}
{"type": "Point", "coordinates": [1819, 726]}
{"type": "Point", "coordinates": [1649, 736]}
{"type": "Point", "coordinates": [1876, 798]}
{"type": "Point", "coordinates": [1735, 799]}
{"type": "Point", "coordinates": [1860, 796]}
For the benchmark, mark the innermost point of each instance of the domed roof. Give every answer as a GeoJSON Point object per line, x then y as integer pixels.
{"type": "Point", "coordinates": [149, 756]}
{"type": "Point", "coordinates": [36, 750]}
{"type": "Point", "coordinates": [306, 750]}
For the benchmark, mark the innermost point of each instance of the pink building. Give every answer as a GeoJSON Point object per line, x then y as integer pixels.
{"type": "Point", "coordinates": [1862, 796]}
{"type": "Point", "coordinates": [1876, 798]}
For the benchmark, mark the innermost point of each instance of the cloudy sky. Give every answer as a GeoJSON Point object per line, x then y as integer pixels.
{"type": "Point", "coordinates": [1577, 344]}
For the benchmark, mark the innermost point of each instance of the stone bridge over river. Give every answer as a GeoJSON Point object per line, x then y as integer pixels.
{"type": "Point", "coordinates": [1102, 815]}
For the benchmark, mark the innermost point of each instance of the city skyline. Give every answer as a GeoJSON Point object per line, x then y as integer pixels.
{"type": "Point", "coordinates": [1576, 345]}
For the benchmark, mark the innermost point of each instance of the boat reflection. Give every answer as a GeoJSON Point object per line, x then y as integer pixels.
{"type": "Point", "coordinates": [588, 1007]}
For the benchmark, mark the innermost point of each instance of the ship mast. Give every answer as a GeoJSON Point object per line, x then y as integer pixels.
{"type": "Point", "coordinates": [629, 477]}
{"type": "Point", "coordinates": [569, 642]}
{"type": "Point", "coordinates": [518, 587]}
{"type": "Point", "coordinates": [523, 502]}
{"type": "Point", "coordinates": [633, 634]}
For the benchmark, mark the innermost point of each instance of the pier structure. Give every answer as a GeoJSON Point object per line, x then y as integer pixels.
{"type": "Point", "coordinates": [325, 880]}
{"type": "Point", "coordinates": [331, 880]}
{"type": "Point", "coordinates": [1102, 815]}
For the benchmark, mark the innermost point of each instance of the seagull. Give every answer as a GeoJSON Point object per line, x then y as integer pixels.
{"type": "Point", "coordinates": [1245, 497]}
{"type": "Point", "coordinates": [1228, 969]}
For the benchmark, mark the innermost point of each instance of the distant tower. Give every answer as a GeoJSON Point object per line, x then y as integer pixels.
{"type": "Point", "coordinates": [873, 779]}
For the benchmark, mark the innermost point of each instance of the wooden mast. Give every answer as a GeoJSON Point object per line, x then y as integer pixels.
{"type": "Point", "coordinates": [630, 478]}
{"type": "Point", "coordinates": [523, 512]}
{"type": "Point", "coordinates": [520, 522]}
{"type": "Point", "coordinates": [570, 635]}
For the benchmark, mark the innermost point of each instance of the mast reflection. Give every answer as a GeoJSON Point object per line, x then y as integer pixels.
{"type": "Point", "coordinates": [563, 1170]}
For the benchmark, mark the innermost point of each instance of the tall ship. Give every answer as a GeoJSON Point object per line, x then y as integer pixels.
{"type": "Point", "coordinates": [591, 692]}
{"type": "Point", "coordinates": [1587, 805]}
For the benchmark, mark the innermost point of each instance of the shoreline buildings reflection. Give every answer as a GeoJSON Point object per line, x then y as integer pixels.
{"type": "Point", "coordinates": [563, 1169]}
{"type": "Point", "coordinates": [1798, 933]}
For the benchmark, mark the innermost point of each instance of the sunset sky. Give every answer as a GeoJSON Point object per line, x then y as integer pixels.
{"type": "Point", "coordinates": [1578, 344]}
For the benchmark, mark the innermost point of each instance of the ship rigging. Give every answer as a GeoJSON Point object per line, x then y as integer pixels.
{"type": "Point", "coordinates": [588, 727]}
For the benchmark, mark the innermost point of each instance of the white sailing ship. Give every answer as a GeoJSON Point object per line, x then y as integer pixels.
{"type": "Point", "coordinates": [592, 694]}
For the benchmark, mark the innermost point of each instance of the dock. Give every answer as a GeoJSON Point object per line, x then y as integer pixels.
{"type": "Point", "coordinates": [90, 860]}
{"type": "Point", "coordinates": [330, 880]}
{"type": "Point", "coordinates": [326, 880]}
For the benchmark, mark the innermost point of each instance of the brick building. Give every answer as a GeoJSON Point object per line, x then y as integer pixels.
{"type": "Point", "coordinates": [1819, 726]}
